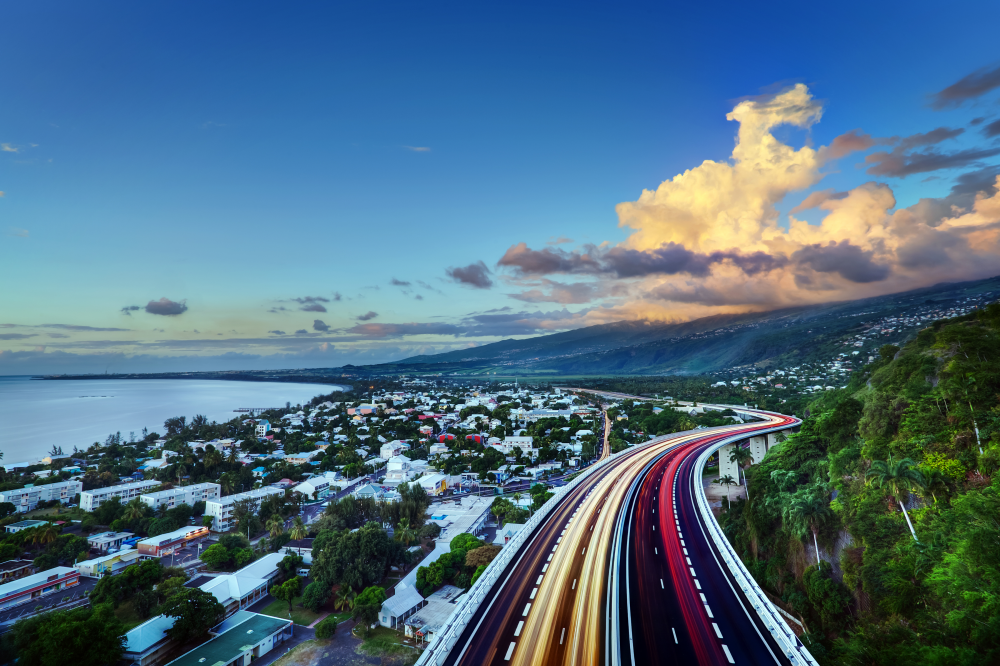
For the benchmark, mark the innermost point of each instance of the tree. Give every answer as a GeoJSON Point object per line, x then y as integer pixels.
{"type": "Point", "coordinates": [135, 510]}
{"type": "Point", "coordinates": [287, 591]}
{"type": "Point", "coordinates": [404, 532]}
{"type": "Point", "coordinates": [45, 534]}
{"type": "Point", "coordinates": [216, 556]}
{"type": "Point", "coordinates": [315, 595]}
{"type": "Point", "coordinates": [344, 598]}
{"type": "Point", "coordinates": [275, 525]}
{"type": "Point", "coordinates": [298, 530]}
{"type": "Point", "coordinates": [368, 605]}
{"type": "Point", "coordinates": [742, 457]}
{"type": "Point", "coordinates": [482, 556]}
{"type": "Point", "coordinates": [727, 481]}
{"type": "Point", "coordinates": [806, 511]}
{"type": "Point", "coordinates": [195, 610]}
{"type": "Point", "coordinates": [327, 627]}
{"type": "Point", "coordinates": [899, 479]}
{"type": "Point", "coordinates": [82, 637]}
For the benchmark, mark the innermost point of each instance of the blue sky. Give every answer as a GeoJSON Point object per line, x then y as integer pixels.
{"type": "Point", "coordinates": [234, 157]}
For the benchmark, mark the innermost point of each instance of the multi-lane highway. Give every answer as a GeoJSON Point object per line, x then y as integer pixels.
{"type": "Point", "coordinates": [615, 576]}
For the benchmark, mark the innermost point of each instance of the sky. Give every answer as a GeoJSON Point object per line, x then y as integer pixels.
{"type": "Point", "coordinates": [256, 185]}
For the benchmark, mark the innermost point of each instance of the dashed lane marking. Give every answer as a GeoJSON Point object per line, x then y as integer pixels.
{"type": "Point", "coordinates": [520, 626]}
{"type": "Point", "coordinates": [533, 593]}
{"type": "Point", "coordinates": [661, 585]}
{"type": "Point", "coordinates": [562, 636]}
{"type": "Point", "coordinates": [539, 581]}
{"type": "Point", "coordinates": [675, 636]}
{"type": "Point", "coordinates": [510, 651]}
{"type": "Point", "coordinates": [697, 584]}
{"type": "Point", "coordinates": [574, 583]}
{"type": "Point", "coordinates": [526, 609]}
{"type": "Point", "coordinates": [709, 611]}
{"type": "Point", "coordinates": [729, 655]}
{"type": "Point", "coordinates": [717, 632]}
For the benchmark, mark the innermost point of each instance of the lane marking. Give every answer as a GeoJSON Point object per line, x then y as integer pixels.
{"type": "Point", "coordinates": [656, 550]}
{"type": "Point", "coordinates": [584, 550]}
{"type": "Point", "coordinates": [539, 581]}
{"type": "Point", "coordinates": [510, 651]}
{"type": "Point", "coordinates": [574, 583]}
{"type": "Point", "coordinates": [729, 655]}
{"type": "Point", "coordinates": [533, 593]}
{"type": "Point", "coordinates": [697, 584]}
{"type": "Point", "coordinates": [685, 551]}
{"type": "Point", "coordinates": [692, 571]}
{"type": "Point", "coordinates": [562, 636]}
{"type": "Point", "coordinates": [709, 611]}
{"type": "Point", "coordinates": [544, 567]}
{"type": "Point", "coordinates": [520, 626]}
{"type": "Point", "coordinates": [688, 559]}
{"type": "Point", "coordinates": [557, 545]}
{"type": "Point", "coordinates": [661, 585]}
{"type": "Point", "coordinates": [703, 599]}
{"type": "Point", "coordinates": [717, 632]}
{"type": "Point", "coordinates": [675, 637]}
{"type": "Point", "coordinates": [526, 609]}
{"type": "Point", "coordinates": [550, 558]}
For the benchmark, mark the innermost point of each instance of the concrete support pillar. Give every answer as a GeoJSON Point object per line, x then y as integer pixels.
{"type": "Point", "coordinates": [772, 439]}
{"type": "Point", "coordinates": [758, 448]}
{"type": "Point", "coordinates": [725, 465]}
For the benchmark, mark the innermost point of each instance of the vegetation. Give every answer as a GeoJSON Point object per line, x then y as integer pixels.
{"type": "Point", "coordinates": [898, 495]}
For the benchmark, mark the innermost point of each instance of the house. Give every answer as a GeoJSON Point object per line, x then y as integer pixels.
{"type": "Point", "coordinates": [400, 606]}
{"type": "Point", "coordinates": [259, 472]}
{"type": "Point", "coordinates": [107, 565]}
{"type": "Point", "coordinates": [390, 449]}
{"type": "Point", "coordinates": [29, 588]}
{"type": "Point", "coordinates": [262, 428]}
{"type": "Point", "coordinates": [300, 458]}
{"type": "Point", "coordinates": [434, 484]}
{"type": "Point", "coordinates": [314, 488]}
{"type": "Point", "coordinates": [242, 589]}
{"type": "Point", "coordinates": [148, 644]}
{"type": "Point", "coordinates": [506, 533]}
{"type": "Point", "coordinates": [429, 620]}
{"type": "Point", "coordinates": [25, 525]}
{"type": "Point", "coordinates": [164, 544]}
{"type": "Point", "coordinates": [240, 639]}
{"type": "Point", "coordinates": [91, 499]}
{"type": "Point", "coordinates": [14, 569]}
{"type": "Point", "coordinates": [26, 499]}
{"type": "Point", "coordinates": [107, 541]}
{"type": "Point", "coordinates": [398, 470]}
{"type": "Point", "coordinates": [199, 492]}
{"type": "Point", "coordinates": [221, 509]}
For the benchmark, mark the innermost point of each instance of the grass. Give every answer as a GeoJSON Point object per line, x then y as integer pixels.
{"type": "Point", "coordinates": [306, 652]}
{"type": "Point", "coordinates": [383, 642]}
{"type": "Point", "coordinates": [300, 615]}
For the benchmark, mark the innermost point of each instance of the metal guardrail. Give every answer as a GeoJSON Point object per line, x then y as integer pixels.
{"type": "Point", "coordinates": [790, 645]}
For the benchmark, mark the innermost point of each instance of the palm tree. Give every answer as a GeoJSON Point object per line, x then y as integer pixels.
{"type": "Point", "coordinates": [344, 598]}
{"type": "Point", "coordinates": [45, 534]}
{"type": "Point", "coordinates": [405, 533]}
{"type": "Point", "coordinates": [181, 471]}
{"type": "Point", "coordinates": [275, 525]}
{"type": "Point", "coordinates": [807, 512]}
{"type": "Point", "coordinates": [899, 479]}
{"type": "Point", "coordinates": [135, 510]}
{"type": "Point", "coordinates": [212, 459]}
{"type": "Point", "coordinates": [727, 481]}
{"type": "Point", "coordinates": [227, 483]}
{"type": "Point", "coordinates": [234, 453]}
{"type": "Point", "coordinates": [298, 531]}
{"type": "Point", "coordinates": [742, 457]}
{"type": "Point", "coordinates": [934, 482]}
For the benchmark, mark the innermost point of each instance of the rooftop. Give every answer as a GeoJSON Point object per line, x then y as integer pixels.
{"type": "Point", "coordinates": [236, 639]}
{"type": "Point", "coordinates": [148, 634]}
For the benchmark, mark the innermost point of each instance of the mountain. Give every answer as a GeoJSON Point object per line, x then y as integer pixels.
{"type": "Point", "coordinates": [708, 344]}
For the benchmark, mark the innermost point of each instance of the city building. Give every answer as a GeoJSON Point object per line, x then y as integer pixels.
{"type": "Point", "coordinates": [164, 544]}
{"type": "Point", "coordinates": [262, 428]}
{"type": "Point", "coordinates": [400, 606]}
{"type": "Point", "coordinates": [109, 565]}
{"type": "Point", "coordinates": [148, 644]}
{"type": "Point", "coordinates": [221, 509]}
{"type": "Point", "coordinates": [433, 484]}
{"type": "Point", "coordinates": [242, 589]}
{"type": "Point", "coordinates": [38, 585]}
{"type": "Point", "coordinates": [14, 569]}
{"type": "Point", "coordinates": [199, 492]}
{"type": "Point", "coordinates": [27, 499]}
{"type": "Point", "coordinates": [243, 638]}
{"type": "Point", "coordinates": [315, 488]}
{"type": "Point", "coordinates": [506, 533]}
{"type": "Point", "coordinates": [25, 525]}
{"type": "Point", "coordinates": [91, 499]}
{"type": "Point", "coordinates": [104, 542]}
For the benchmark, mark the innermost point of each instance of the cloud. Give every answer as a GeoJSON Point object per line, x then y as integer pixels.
{"type": "Point", "coordinates": [17, 336]}
{"type": "Point", "coordinates": [849, 261]}
{"type": "Point", "coordinates": [277, 332]}
{"type": "Point", "coordinates": [475, 275]}
{"type": "Point", "coordinates": [312, 303]}
{"type": "Point", "coordinates": [302, 331]}
{"type": "Point", "coordinates": [367, 316]}
{"type": "Point", "coordinates": [399, 283]}
{"type": "Point", "coordinates": [816, 199]}
{"type": "Point", "coordinates": [320, 325]}
{"type": "Point", "coordinates": [969, 87]}
{"type": "Point", "coordinates": [902, 165]}
{"type": "Point", "coordinates": [18, 233]}
{"type": "Point", "coordinates": [166, 307]}
{"type": "Point", "coordinates": [418, 149]}
{"type": "Point", "coordinates": [849, 142]}
{"type": "Point", "coordinates": [7, 148]}
{"type": "Point", "coordinates": [129, 309]}
{"type": "Point", "coordinates": [398, 330]}
{"type": "Point", "coordinates": [558, 240]}
{"type": "Point", "coordinates": [73, 327]}
{"type": "Point", "coordinates": [526, 261]}
{"type": "Point", "coordinates": [558, 292]}
{"type": "Point", "coordinates": [992, 130]}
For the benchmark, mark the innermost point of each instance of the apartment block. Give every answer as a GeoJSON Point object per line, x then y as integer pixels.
{"type": "Point", "coordinates": [199, 492]}
{"type": "Point", "coordinates": [91, 499]}
{"type": "Point", "coordinates": [26, 499]}
{"type": "Point", "coordinates": [221, 509]}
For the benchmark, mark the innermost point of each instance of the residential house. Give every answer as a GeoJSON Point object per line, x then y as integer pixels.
{"type": "Point", "coordinates": [262, 428]}
{"type": "Point", "coordinates": [506, 533]}
{"type": "Point", "coordinates": [239, 640]}
{"type": "Point", "coordinates": [25, 525]}
{"type": "Point", "coordinates": [105, 542]}
{"type": "Point", "coordinates": [434, 484]}
{"type": "Point", "coordinates": [404, 603]}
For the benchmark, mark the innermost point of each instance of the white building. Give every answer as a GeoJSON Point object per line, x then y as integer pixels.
{"type": "Point", "coordinates": [91, 499]}
{"type": "Point", "coordinates": [398, 470]}
{"type": "Point", "coordinates": [27, 498]}
{"type": "Point", "coordinates": [390, 449]}
{"type": "Point", "coordinates": [316, 487]}
{"type": "Point", "coordinates": [262, 428]}
{"type": "Point", "coordinates": [199, 492]}
{"type": "Point", "coordinates": [221, 509]}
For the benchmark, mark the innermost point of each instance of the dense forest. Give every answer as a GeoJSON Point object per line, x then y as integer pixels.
{"type": "Point", "coordinates": [895, 480]}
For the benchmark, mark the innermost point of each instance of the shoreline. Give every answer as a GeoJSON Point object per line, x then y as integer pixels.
{"type": "Point", "coordinates": [220, 376]}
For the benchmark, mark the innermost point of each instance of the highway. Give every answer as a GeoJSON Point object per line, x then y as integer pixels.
{"type": "Point", "coordinates": [559, 601]}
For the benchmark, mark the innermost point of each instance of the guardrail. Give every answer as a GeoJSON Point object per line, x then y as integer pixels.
{"type": "Point", "coordinates": [446, 639]}
{"type": "Point", "coordinates": [790, 645]}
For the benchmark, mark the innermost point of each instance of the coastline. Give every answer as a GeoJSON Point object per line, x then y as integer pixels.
{"type": "Point", "coordinates": [233, 376]}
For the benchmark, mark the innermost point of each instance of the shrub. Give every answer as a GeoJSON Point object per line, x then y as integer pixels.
{"type": "Point", "coordinates": [327, 628]}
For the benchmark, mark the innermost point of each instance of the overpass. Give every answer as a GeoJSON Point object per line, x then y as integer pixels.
{"type": "Point", "coordinates": [625, 565]}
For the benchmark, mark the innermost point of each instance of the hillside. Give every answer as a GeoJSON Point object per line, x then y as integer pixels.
{"type": "Point", "coordinates": [708, 344]}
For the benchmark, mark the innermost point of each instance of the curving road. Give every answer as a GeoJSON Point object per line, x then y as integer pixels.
{"type": "Point", "coordinates": [558, 602]}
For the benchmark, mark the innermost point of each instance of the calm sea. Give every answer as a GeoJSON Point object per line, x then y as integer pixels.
{"type": "Point", "coordinates": [35, 415]}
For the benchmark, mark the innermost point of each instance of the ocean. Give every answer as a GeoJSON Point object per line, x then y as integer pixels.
{"type": "Point", "coordinates": [37, 414]}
